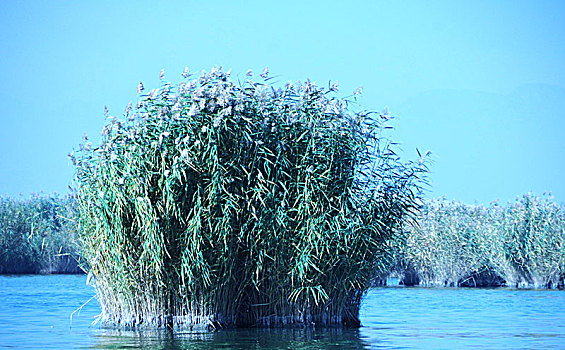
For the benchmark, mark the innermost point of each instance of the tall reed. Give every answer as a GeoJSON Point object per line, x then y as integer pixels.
{"type": "Point", "coordinates": [37, 235]}
{"type": "Point", "coordinates": [521, 244]}
{"type": "Point", "coordinates": [239, 204]}
{"type": "Point", "coordinates": [534, 237]}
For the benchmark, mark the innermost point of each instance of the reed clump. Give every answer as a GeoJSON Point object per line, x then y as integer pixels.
{"type": "Point", "coordinates": [239, 204]}
{"type": "Point", "coordinates": [519, 245]}
{"type": "Point", "coordinates": [37, 235]}
{"type": "Point", "coordinates": [534, 237]}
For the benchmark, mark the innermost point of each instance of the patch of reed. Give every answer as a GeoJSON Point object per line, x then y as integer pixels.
{"type": "Point", "coordinates": [37, 235]}
{"type": "Point", "coordinates": [534, 235]}
{"type": "Point", "coordinates": [240, 204]}
{"type": "Point", "coordinates": [521, 244]}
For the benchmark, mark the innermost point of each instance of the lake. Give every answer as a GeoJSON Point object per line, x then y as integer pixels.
{"type": "Point", "coordinates": [35, 314]}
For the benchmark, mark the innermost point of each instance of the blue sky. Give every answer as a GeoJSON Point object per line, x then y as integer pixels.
{"type": "Point", "coordinates": [479, 84]}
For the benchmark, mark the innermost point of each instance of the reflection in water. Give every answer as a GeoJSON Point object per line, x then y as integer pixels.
{"type": "Point", "coordinates": [295, 338]}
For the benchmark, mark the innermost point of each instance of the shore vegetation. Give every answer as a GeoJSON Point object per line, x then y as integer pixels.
{"type": "Point", "coordinates": [520, 245]}
{"type": "Point", "coordinates": [37, 235]}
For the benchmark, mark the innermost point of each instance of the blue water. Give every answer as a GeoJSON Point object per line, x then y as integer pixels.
{"type": "Point", "coordinates": [35, 314]}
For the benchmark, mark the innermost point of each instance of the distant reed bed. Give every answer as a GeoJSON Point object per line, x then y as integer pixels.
{"type": "Point", "coordinates": [37, 235]}
{"type": "Point", "coordinates": [221, 203]}
{"type": "Point", "coordinates": [521, 244]}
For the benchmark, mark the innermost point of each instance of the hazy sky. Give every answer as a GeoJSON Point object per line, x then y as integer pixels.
{"type": "Point", "coordinates": [479, 84]}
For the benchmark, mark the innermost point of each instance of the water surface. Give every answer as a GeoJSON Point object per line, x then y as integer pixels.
{"type": "Point", "coordinates": [35, 314]}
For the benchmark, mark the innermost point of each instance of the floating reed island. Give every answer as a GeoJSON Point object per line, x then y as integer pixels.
{"type": "Point", "coordinates": [223, 204]}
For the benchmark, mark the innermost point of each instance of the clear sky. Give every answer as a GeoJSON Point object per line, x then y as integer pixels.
{"type": "Point", "coordinates": [481, 84]}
